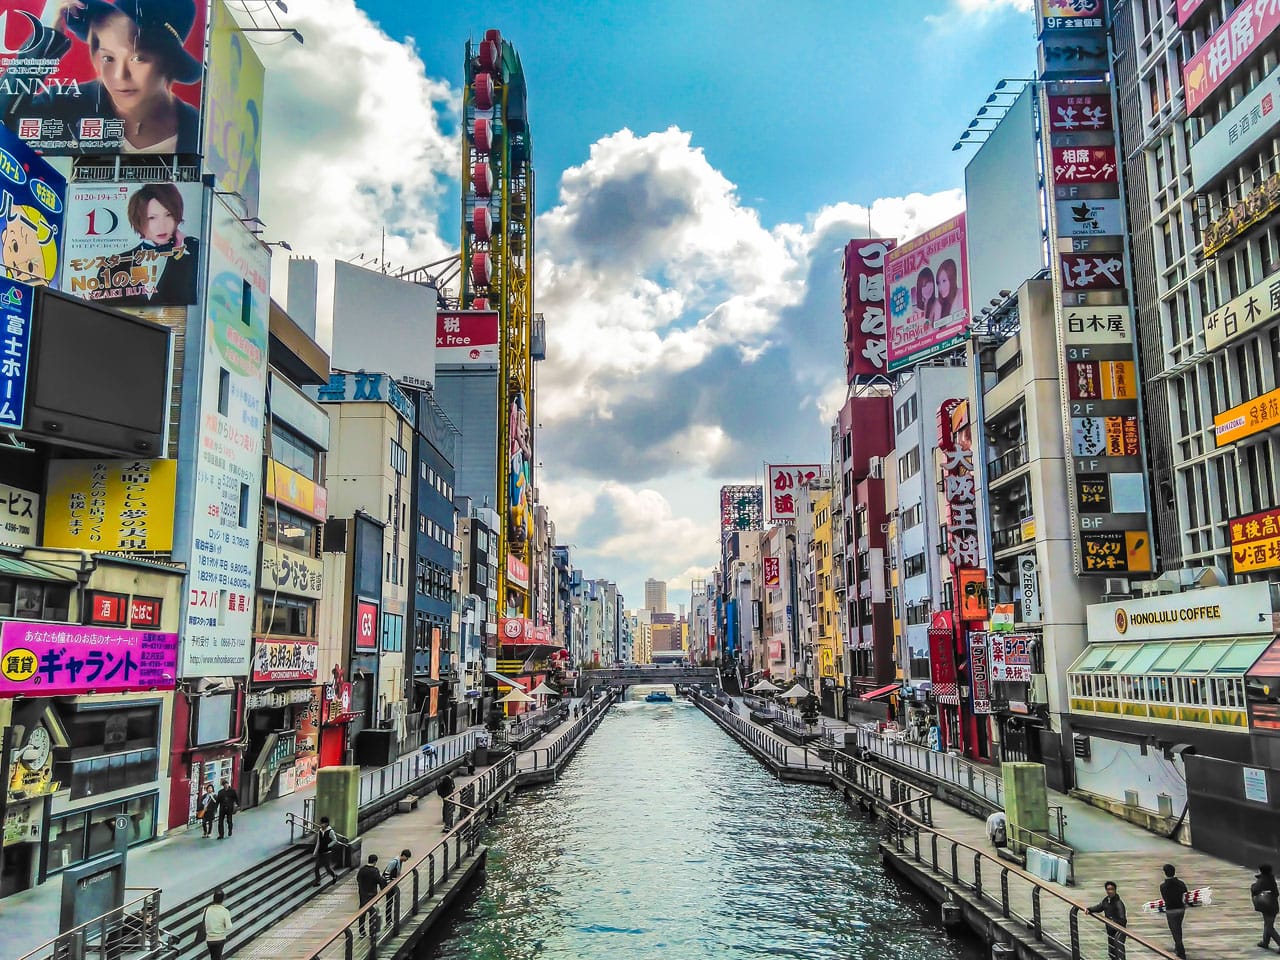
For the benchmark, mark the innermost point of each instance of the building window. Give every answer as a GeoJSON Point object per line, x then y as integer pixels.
{"type": "Point", "coordinates": [286, 617]}
{"type": "Point", "coordinates": [224, 391]}
{"type": "Point", "coordinates": [32, 600]}
{"type": "Point", "coordinates": [289, 530]}
{"type": "Point", "coordinates": [294, 452]}
{"type": "Point", "coordinates": [78, 836]}
{"type": "Point", "coordinates": [913, 566]}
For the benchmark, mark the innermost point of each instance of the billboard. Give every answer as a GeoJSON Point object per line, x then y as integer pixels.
{"type": "Point", "coordinates": [1255, 541]}
{"type": "Point", "coordinates": [927, 280]}
{"type": "Point", "coordinates": [279, 660]}
{"type": "Point", "coordinates": [1253, 118]}
{"type": "Point", "coordinates": [519, 478]}
{"type": "Point", "coordinates": [1187, 9]}
{"type": "Point", "coordinates": [32, 203]}
{"type": "Point", "coordinates": [122, 505]}
{"type": "Point", "coordinates": [380, 322]}
{"type": "Point", "coordinates": [1243, 32]}
{"type": "Point", "coordinates": [17, 301]}
{"type": "Point", "coordinates": [1011, 658]}
{"type": "Point", "coordinates": [785, 479]}
{"type": "Point", "coordinates": [741, 507]}
{"type": "Point", "coordinates": [18, 512]}
{"type": "Point", "coordinates": [228, 474]}
{"type": "Point", "coordinates": [289, 572]}
{"type": "Point", "coordinates": [133, 245]}
{"type": "Point", "coordinates": [233, 110]}
{"type": "Point", "coordinates": [979, 673]}
{"type": "Point", "coordinates": [365, 626]}
{"type": "Point", "coordinates": [64, 659]}
{"type": "Point", "coordinates": [466, 337]}
{"type": "Point", "coordinates": [140, 94]}
{"type": "Point", "coordinates": [772, 571]}
{"type": "Point", "coordinates": [865, 343]}
{"type": "Point", "coordinates": [1246, 419]}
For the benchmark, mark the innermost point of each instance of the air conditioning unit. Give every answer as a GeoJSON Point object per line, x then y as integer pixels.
{"type": "Point", "coordinates": [875, 468]}
{"type": "Point", "coordinates": [1131, 798]}
{"type": "Point", "coordinates": [1115, 588]}
{"type": "Point", "coordinates": [1080, 746]}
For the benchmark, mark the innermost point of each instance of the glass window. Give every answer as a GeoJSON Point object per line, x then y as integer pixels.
{"type": "Point", "coordinates": [289, 530]}
{"type": "Point", "coordinates": [285, 616]}
{"type": "Point", "coordinates": [1142, 660]}
{"type": "Point", "coordinates": [66, 840]}
{"type": "Point", "coordinates": [1241, 656]}
{"type": "Point", "coordinates": [1206, 655]}
{"type": "Point", "coordinates": [1092, 657]}
{"type": "Point", "coordinates": [1172, 658]}
{"type": "Point", "coordinates": [294, 452]}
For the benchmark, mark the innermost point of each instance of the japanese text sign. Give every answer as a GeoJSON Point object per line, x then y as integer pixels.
{"type": "Point", "coordinates": [959, 490]}
{"type": "Point", "coordinates": [1186, 8]}
{"type": "Point", "coordinates": [979, 673]}
{"type": "Point", "coordinates": [1115, 551]}
{"type": "Point", "coordinates": [1258, 305]}
{"type": "Point", "coordinates": [785, 481]}
{"type": "Point", "coordinates": [942, 664]}
{"type": "Point", "coordinates": [336, 702]}
{"type": "Point", "coordinates": [865, 341]}
{"type": "Point", "coordinates": [279, 660]}
{"type": "Point", "coordinates": [741, 507]}
{"type": "Point", "coordinates": [59, 659]}
{"type": "Point", "coordinates": [292, 489]}
{"type": "Point", "coordinates": [1249, 25]}
{"type": "Point", "coordinates": [1232, 222]}
{"type": "Point", "coordinates": [290, 572]}
{"type": "Point", "coordinates": [1246, 419]}
{"type": "Point", "coordinates": [772, 571]}
{"type": "Point", "coordinates": [1085, 165]}
{"type": "Point", "coordinates": [19, 510]}
{"type": "Point", "coordinates": [1080, 114]}
{"type": "Point", "coordinates": [466, 337]}
{"type": "Point", "coordinates": [106, 609]}
{"type": "Point", "coordinates": [1011, 658]}
{"type": "Point", "coordinates": [124, 505]}
{"type": "Point", "coordinates": [16, 300]}
{"type": "Point", "coordinates": [927, 282]}
{"type": "Point", "coordinates": [1071, 9]}
{"type": "Point", "coordinates": [1092, 271]}
{"type": "Point", "coordinates": [1255, 541]}
{"type": "Point", "coordinates": [32, 203]}
{"type": "Point", "coordinates": [1253, 118]}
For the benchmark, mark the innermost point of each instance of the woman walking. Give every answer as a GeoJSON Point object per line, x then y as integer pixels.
{"type": "Point", "coordinates": [1266, 901]}
{"type": "Point", "coordinates": [208, 809]}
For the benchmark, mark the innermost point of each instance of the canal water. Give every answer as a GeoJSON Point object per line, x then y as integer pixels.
{"type": "Point", "coordinates": [665, 839]}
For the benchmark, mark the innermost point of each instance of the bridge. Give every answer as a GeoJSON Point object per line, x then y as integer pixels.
{"type": "Point", "coordinates": [629, 676]}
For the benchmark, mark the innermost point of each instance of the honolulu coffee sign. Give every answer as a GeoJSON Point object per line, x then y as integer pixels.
{"type": "Point", "coordinates": [1214, 612]}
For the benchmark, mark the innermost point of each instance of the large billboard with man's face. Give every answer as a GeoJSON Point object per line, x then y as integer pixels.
{"type": "Point", "coordinates": [103, 77]}
{"type": "Point", "coordinates": [926, 281]}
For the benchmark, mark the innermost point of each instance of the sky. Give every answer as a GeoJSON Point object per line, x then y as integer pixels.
{"type": "Point", "coordinates": [699, 167]}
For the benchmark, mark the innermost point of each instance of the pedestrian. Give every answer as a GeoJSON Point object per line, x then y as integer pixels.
{"type": "Point", "coordinates": [1174, 894]}
{"type": "Point", "coordinates": [217, 925]}
{"type": "Point", "coordinates": [390, 874]}
{"type": "Point", "coordinates": [369, 881]}
{"type": "Point", "coordinates": [228, 804]}
{"type": "Point", "coordinates": [998, 829]}
{"type": "Point", "coordinates": [321, 852]}
{"type": "Point", "coordinates": [443, 789]}
{"type": "Point", "coordinates": [1112, 907]}
{"type": "Point", "coordinates": [1266, 900]}
{"type": "Point", "coordinates": [208, 809]}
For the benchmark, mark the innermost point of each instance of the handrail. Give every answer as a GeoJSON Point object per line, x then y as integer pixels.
{"type": "Point", "coordinates": [308, 826]}
{"type": "Point", "coordinates": [567, 739]}
{"type": "Point", "coordinates": [420, 877]}
{"type": "Point", "coordinates": [782, 753]}
{"type": "Point", "coordinates": [413, 767]}
{"type": "Point", "coordinates": [77, 940]}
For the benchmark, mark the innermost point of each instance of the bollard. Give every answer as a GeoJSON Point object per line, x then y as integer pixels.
{"type": "Point", "coordinates": [1002, 951]}
{"type": "Point", "coordinates": [952, 915]}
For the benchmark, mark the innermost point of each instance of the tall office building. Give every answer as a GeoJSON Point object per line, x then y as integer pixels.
{"type": "Point", "coordinates": [655, 596]}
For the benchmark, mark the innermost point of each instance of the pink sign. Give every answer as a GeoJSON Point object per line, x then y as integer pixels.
{"type": "Point", "coordinates": [785, 481]}
{"type": "Point", "coordinates": [1248, 27]}
{"type": "Point", "coordinates": [865, 342]}
{"type": "Point", "coordinates": [927, 282]}
{"type": "Point", "coordinates": [467, 336]}
{"type": "Point", "coordinates": [1080, 112]}
{"type": "Point", "coordinates": [1187, 9]}
{"type": "Point", "coordinates": [56, 659]}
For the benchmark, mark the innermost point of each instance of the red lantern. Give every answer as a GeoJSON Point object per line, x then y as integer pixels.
{"type": "Point", "coordinates": [481, 223]}
{"type": "Point", "coordinates": [482, 91]}
{"type": "Point", "coordinates": [488, 56]}
{"type": "Point", "coordinates": [480, 270]}
{"type": "Point", "coordinates": [483, 135]}
{"type": "Point", "coordinates": [482, 179]}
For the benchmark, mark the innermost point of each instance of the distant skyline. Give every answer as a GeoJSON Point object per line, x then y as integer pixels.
{"type": "Point", "coordinates": [699, 167]}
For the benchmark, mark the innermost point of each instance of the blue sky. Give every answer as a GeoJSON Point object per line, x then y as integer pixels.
{"type": "Point", "coordinates": [700, 165]}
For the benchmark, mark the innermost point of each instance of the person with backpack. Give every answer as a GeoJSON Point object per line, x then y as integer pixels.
{"type": "Point", "coordinates": [216, 924]}
{"type": "Point", "coordinates": [1266, 901]}
{"type": "Point", "coordinates": [325, 840]}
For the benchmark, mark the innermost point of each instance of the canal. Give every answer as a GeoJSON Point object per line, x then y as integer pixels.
{"type": "Point", "coordinates": [665, 839]}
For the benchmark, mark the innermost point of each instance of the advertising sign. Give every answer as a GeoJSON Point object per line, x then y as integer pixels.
{"type": "Point", "coordinates": [366, 625]}
{"type": "Point", "coordinates": [741, 507]}
{"type": "Point", "coordinates": [1258, 305]}
{"type": "Point", "coordinates": [1090, 218]}
{"type": "Point", "coordinates": [785, 479]}
{"type": "Point", "coordinates": [1011, 658]}
{"type": "Point", "coordinates": [1246, 29]}
{"type": "Point", "coordinates": [1092, 325]}
{"type": "Point", "coordinates": [18, 511]}
{"type": "Point", "coordinates": [1187, 8]}
{"type": "Point", "coordinates": [1255, 541]}
{"type": "Point", "coordinates": [295, 491]}
{"type": "Point", "coordinates": [1085, 165]}
{"type": "Point", "coordinates": [133, 245]}
{"type": "Point", "coordinates": [278, 660]}
{"type": "Point", "coordinates": [1248, 122]}
{"type": "Point", "coordinates": [1079, 113]}
{"type": "Point", "coordinates": [865, 342]}
{"type": "Point", "coordinates": [979, 673]}
{"type": "Point", "coordinates": [367, 387]}
{"type": "Point", "coordinates": [289, 572]}
{"type": "Point", "coordinates": [1259, 203]}
{"type": "Point", "coordinates": [228, 474]}
{"type": "Point", "coordinates": [942, 665]}
{"type": "Point", "coordinates": [32, 203]}
{"type": "Point", "coordinates": [16, 302]}
{"type": "Point", "coordinates": [972, 587]}
{"type": "Point", "coordinates": [336, 702]}
{"type": "Point", "coordinates": [517, 571]}
{"type": "Point", "coordinates": [1244, 420]}
{"type": "Point", "coordinates": [772, 571]}
{"type": "Point", "coordinates": [1209, 612]}
{"type": "Point", "coordinates": [62, 659]}
{"type": "Point", "coordinates": [233, 110]}
{"type": "Point", "coordinates": [1092, 271]}
{"type": "Point", "coordinates": [1102, 380]}
{"type": "Point", "coordinates": [927, 280]}
{"type": "Point", "coordinates": [466, 337]}
{"type": "Point", "coordinates": [121, 505]}
{"type": "Point", "coordinates": [959, 490]}
{"type": "Point", "coordinates": [1071, 9]}
{"type": "Point", "coordinates": [1028, 590]}
{"type": "Point", "coordinates": [63, 101]}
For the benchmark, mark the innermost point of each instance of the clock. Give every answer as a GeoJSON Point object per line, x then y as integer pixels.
{"type": "Point", "coordinates": [35, 752]}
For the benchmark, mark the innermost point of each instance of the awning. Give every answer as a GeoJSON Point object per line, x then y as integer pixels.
{"type": "Point", "coordinates": [881, 692]}
{"type": "Point", "coordinates": [13, 567]}
{"type": "Point", "coordinates": [505, 681]}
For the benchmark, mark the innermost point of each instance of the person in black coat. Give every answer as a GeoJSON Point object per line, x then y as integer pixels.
{"type": "Point", "coordinates": [1266, 901]}
{"type": "Point", "coordinates": [1174, 894]}
{"type": "Point", "coordinates": [228, 805]}
{"type": "Point", "coordinates": [1112, 907]}
{"type": "Point", "coordinates": [322, 851]}
{"type": "Point", "coordinates": [369, 880]}
{"type": "Point", "coordinates": [443, 790]}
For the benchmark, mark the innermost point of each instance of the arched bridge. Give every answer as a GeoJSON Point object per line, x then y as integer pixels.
{"type": "Point", "coordinates": [627, 676]}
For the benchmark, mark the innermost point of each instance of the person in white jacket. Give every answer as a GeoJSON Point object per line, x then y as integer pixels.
{"type": "Point", "coordinates": [217, 925]}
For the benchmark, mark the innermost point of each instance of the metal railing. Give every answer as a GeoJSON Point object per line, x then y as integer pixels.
{"type": "Point", "coordinates": [299, 822]}
{"type": "Point", "coordinates": [795, 757]}
{"type": "Point", "coordinates": [893, 792]}
{"type": "Point", "coordinates": [538, 759]}
{"type": "Point", "coordinates": [1008, 461]}
{"type": "Point", "coordinates": [383, 919]}
{"type": "Point", "coordinates": [131, 930]}
{"type": "Point", "coordinates": [378, 783]}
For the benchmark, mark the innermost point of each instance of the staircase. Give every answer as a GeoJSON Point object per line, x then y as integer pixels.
{"type": "Point", "coordinates": [257, 898]}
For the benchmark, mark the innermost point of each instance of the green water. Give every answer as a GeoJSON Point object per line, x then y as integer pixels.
{"type": "Point", "coordinates": [665, 839]}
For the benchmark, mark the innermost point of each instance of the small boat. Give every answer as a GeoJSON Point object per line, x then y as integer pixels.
{"type": "Point", "coordinates": [658, 696]}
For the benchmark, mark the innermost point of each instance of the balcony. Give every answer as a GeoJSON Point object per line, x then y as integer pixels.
{"type": "Point", "coordinates": [837, 582]}
{"type": "Point", "coordinates": [1006, 538]}
{"type": "Point", "coordinates": [1007, 462]}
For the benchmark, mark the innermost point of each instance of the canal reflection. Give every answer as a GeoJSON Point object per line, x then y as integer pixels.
{"type": "Point", "coordinates": [665, 839]}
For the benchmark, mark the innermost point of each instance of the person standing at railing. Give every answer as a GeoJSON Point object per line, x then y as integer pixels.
{"type": "Point", "coordinates": [443, 790]}
{"type": "Point", "coordinates": [1112, 907]}
{"type": "Point", "coordinates": [1174, 894]}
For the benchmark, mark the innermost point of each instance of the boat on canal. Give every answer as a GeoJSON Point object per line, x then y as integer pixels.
{"type": "Point", "coordinates": [658, 696]}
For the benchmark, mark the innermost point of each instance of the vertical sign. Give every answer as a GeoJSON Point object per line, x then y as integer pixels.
{"type": "Point", "coordinates": [15, 346]}
{"type": "Point", "coordinates": [785, 481]}
{"type": "Point", "coordinates": [772, 571]}
{"type": "Point", "coordinates": [866, 344]}
{"type": "Point", "coordinates": [979, 673]}
{"type": "Point", "coordinates": [1097, 363]}
{"type": "Point", "coordinates": [942, 659]}
{"type": "Point", "coordinates": [1028, 589]}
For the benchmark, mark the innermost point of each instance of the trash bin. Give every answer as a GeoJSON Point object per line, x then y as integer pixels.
{"type": "Point", "coordinates": [480, 756]}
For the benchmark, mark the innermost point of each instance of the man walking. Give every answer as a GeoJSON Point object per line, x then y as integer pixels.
{"type": "Point", "coordinates": [228, 805]}
{"type": "Point", "coordinates": [325, 838]}
{"type": "Point", "coordinates": [1174, 894]}
{"type": "Point", "coordinates": [1112, 907]}
{"type": "Point", "coordinates": [369, 881]}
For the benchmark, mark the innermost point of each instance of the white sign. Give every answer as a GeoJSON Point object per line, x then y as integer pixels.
{"type": "Point", "coordinates": [1097, 324]}
{"type": "Point", "coordinates": [1253, 118]}
{"type": "Point", "coordinates": [19, 510]}
{"type": "Point", "coordinates": [1255, 785]}
{"type": "Point", "coordinates": [1090, 218]}
{"type": "Point", "coordinates": [785, 481]}
{"type": "Point", "coordinates": [1028, 589]}
{"type": "Point", "coordinates": [1258, 305]}
{"type": "Point", "coordinates": [289, 572]}
{"type": "Point", "coordinates": [1241, 610]}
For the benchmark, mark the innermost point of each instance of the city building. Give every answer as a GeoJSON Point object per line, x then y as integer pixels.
{"type": "Point", "coordinates": [655, 596]}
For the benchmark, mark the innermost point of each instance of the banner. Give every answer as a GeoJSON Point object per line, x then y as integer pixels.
{"type": "Point", "coordinates": [866, 344]}
{"type": "Point", "coordinates": [927, 280]}
{"type": "Point", "coordinates": [233, 110]}
{"type": "Point", "coordinates": [785, 479]}
{"type": "Point", "coordinates": [1253, 118]}
{"type": "Point", "coordinates": [1246, 419]}
{"type": "Point", "coordinates": [16, 303]}
{"type": "Point", "coordinates": [1011, 658]}
{"type": "Point", "coordinates": [971, 585]}
{"type": "Point", "coordinates": [979, 673]}
{"type": "Point", "coordinates": [942, 665]}
{"type": "Point", "coordinates": [120, 505]}
{"type": "Point", "coordinates": [466, 337]}
{"type": "Point", "coordinates": [1246, 29]}
{"type": "Point", "coordinates": [280, 660]}
{"type": "Point", "coordinates": [1255, 541]}
{"type": "Point", "coordinates": [772, 571]}
{"type": "Point", "coordinates": [62, 659]}
{"type": "Point", "coordinates": [140, 93]}
{"type": "Point", "coordinates": [132, 244]}
{"type": "Point", "coordinates": [32, 202]}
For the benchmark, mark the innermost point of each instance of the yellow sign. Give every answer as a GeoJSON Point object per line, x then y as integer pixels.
{"type": "Point", "coordinates": [1255, 541]}
{"type": "Point", "coordinates": [124, 505]}
{"type": "Point", "coordinates": [1028, 529]}
{"type": "Point", "coordinates": [1252, 416]}
{"type": "Point", "coordinates": [292, 489]}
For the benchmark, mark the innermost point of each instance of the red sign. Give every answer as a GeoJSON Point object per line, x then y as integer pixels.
{"type": "Point", "coordinates": [979, 673]}
{"type": "Point", "coordinates": [772, 571]}
{"type": "Point", "coordinates": [1093, 271]}
{"type": "Point", "coordinates": [1085, 165]}
{"type": "Point", "coordinates": [109, 609]}
{"type": "Point", "coordinates": [517, 571]}
{"type": "Point", "coordinates": [1011, 658]}
{"type": "Point", "coordinates": [336, 702]}
{"type": "Point", "coordinates": [514, 630]}
{"type": "Point", "coordinates": [866, 346]}
{"type": "Point", "coordinates": [785, 481]}
{"type": "Point", "coordinates": [145, 612]}
{"type": "Point", "coordinates": [1087, 112]}
{"type": "Point", "coordinates": [280, 660]}
{"type": "Point", "coordinates": [1248, 27]}
{"type": "Point", "coordinates": [942, 666]}
{"type": "Point", "coordinates": [366, 625]}
{"type": "Point", "coordinates": [466, 336]}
